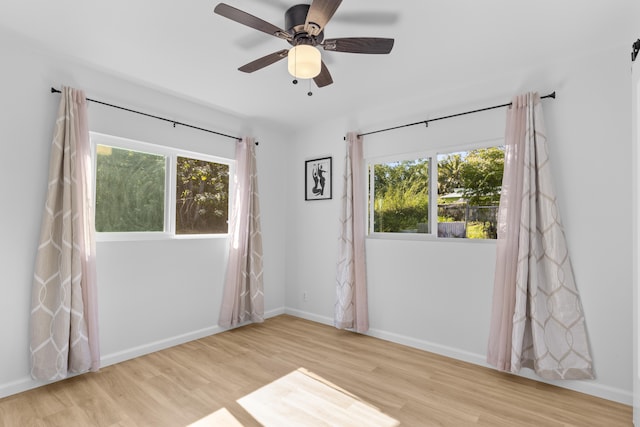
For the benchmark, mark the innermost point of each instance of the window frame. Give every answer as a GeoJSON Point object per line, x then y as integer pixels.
{"type": "Point", "coordinates": [432, 154]}
{"type": "Point", "coordinates": [171, 155]}
{"type": "Point", "coordinates": [370, 208]}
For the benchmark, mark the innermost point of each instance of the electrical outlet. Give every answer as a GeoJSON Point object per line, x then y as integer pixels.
{"type": "Point", "coordinates": [305, 296]}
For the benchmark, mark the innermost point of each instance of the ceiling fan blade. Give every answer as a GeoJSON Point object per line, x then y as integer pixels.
{"type": "Point", "coordinates": [364, 17]}
{"type": "Point", "coordinates": [324, 78]}
{"type": "Point", "coordinates": [373, 45]}
{"type": "Point", "coordinates": [249, 20]}
{"type": "Point", "coordinates": [264, 61]}
{"type": "Point", "coordinates": [320, 12]}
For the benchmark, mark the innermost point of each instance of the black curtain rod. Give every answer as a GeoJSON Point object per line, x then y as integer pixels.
{"type": "Point", "coordinates": [54, 90]}
{"type": "Point", "coordinates": [426, 122]}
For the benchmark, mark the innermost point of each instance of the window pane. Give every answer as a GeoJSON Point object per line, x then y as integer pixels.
{"type": "Point", "coordinates": [401, 196]}
{"type": "Point", "coordinates": [130, 189]}
{"type": "Point", "coordinates": [202, 197]}
{"type": "Point", "coordinates": [469, 193]}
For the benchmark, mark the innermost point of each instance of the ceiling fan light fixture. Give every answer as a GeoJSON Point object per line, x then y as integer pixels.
{"type": "Point", "coordinates": [305, 61]}
{"type": "Point", "coordinates": [305, 24]}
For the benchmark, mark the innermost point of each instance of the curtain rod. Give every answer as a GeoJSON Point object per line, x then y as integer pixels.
{"type": "Point", "coordinates": [54, 90]}
{"type": "Point", "coordinates": [426, 122]}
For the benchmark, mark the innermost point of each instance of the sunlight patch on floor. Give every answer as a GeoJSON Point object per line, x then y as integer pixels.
{"type": "Point", "coordinates": [302, 398]}
{"type": "Point", "coordinates": [221, 418]}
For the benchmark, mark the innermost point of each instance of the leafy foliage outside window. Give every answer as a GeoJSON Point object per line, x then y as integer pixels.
{"type": "Point", "coordinates": [401, 195]}
{"type": "Point", "coordinates": [202, 197]}
{"type": "Point", "coordinates": [476, 176]}
{"type": "Point", "coordinates": [129, 190]}
{"type": "Point", "coordinates": [134, 193]}
{"type": "Point", "coordinates": [468, 188]}
{"type": "Point", "coordinates": [478, 173]}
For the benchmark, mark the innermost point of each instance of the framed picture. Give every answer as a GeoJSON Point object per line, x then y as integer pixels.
{"type": "Point", "coordinates": [317, 179]}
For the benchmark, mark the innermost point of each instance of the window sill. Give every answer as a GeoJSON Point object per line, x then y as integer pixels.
{"type": "Point", "coordinates": [153, 236]}
{"type": "Point", "coordinates": [427, 237]}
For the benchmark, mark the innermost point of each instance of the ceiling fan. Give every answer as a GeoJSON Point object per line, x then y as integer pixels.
{"type": "Point", "coordinates": [305, 32]}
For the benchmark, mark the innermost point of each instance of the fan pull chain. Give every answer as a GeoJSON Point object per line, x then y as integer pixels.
{"type": "Point", "coordinates": [295, 71]}
{"type": "Point", "coordinates": [295, 67]}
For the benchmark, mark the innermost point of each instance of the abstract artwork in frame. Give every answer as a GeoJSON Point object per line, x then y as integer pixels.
{"type": "Point", "coordinates": [317, 179]}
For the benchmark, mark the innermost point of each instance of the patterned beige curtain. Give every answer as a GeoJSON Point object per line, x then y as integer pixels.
{"type": "Point", "coordinates": [64, 318]}
{"type": "Point", "coordinates": [352, 307]}
{"type": "Point", "coordinates": [243, 297]}
{"type": "Point", "coordinates": [537, 320]}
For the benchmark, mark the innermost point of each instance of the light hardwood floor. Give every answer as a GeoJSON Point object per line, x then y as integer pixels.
{"type": "Point", "coordinates": [186, 383]}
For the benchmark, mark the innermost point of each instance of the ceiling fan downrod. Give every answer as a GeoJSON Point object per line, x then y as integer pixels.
{"type": "Point", "coordinates": [305, 25]}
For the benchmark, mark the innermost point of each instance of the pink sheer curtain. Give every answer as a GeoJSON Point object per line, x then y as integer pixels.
{"type": "Point", "coordinates": [64, 310]}
{"type": "Point", "coordinates": [243, 297]}
{"type": "Point", "coordinates": [509, 213]}
{"type": "Point", "coordinates": [351, 308]}
{"type": "Point", "coordinates": [537, 320]}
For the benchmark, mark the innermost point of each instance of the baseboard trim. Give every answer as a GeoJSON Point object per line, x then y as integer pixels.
{"type": "Point", "coordinates": [152, 347]}
{"type": "Point", "coordinates": [18, 386]}
{"type": "Point", "coordinates": [141, 350]}
{"type": "Point", "coordinates": [586, 387]}
{"type": "Point", "coordinates": [27, 383]}
{"type": "Point", "coordinates": [309, 316]}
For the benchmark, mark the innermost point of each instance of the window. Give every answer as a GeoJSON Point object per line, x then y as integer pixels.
{"type": "Point", "coordinates": [456, 193]}
{"type": "Point", "coordinates": [202, 196]}
{"type": "Point", "coordinates": [129, 190]}
{"type": "Point", "coordinates": [143, 190]}
{"type": "Point", "coordinates": [469, 192]}
{"type": "Point", "coordinates": [400, 196]}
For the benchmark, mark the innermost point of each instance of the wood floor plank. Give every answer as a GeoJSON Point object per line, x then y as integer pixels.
{"type": "Point", "coordinates": [200, 382]}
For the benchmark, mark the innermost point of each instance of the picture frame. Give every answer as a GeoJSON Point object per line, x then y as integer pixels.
{"type": "Point", "coordinates": [318, 179]}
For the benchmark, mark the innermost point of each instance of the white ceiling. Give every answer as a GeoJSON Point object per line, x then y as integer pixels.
{"type": "Point", "coordinates": [183, 48]}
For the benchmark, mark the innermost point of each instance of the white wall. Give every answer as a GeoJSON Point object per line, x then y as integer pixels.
{"type": "Point", "coordinates": [635, 90]}
{"type": "Point", "coordinates": [635, 160]}
{"type": "Point", "coordinates": [151, 294]}
{"type": "Point", "coordinates": [419, 294]}
{"type": "Point", "coordinates": [437, 295]}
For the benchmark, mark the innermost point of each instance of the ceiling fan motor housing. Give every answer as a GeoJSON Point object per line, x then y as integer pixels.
{"type": "Point", "coordinates": [294, 20]}
{"type": "Point", "coordinates": [304, 30]}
